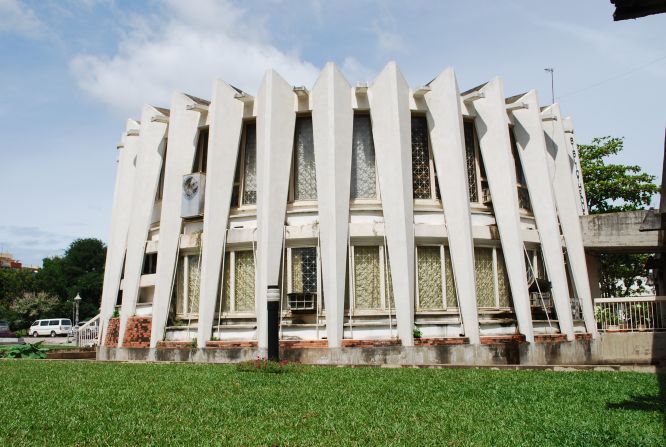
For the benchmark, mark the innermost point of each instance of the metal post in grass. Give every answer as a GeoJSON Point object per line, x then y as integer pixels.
{"type": "Point", "coordinates": [273, 303]}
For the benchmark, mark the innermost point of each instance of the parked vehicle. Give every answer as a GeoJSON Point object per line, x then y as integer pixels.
{"type": "Point", "coordinates": [4, 326]}
{"type": "Point", "coordinates": [52, 327]}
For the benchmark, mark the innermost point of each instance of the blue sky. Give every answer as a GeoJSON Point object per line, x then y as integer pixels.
{"type": "Point", "coordinates": [74, 70]}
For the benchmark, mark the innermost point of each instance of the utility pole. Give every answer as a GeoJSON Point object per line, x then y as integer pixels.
{"type": "Point", "coordinates": [551, 70]}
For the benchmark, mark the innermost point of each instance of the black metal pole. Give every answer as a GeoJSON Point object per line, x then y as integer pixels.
{"type": "Point", "coordinates": [273, 303]}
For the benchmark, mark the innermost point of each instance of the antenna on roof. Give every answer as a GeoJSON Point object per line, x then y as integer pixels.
{"type": "Point", "coordinates": [551, 70]}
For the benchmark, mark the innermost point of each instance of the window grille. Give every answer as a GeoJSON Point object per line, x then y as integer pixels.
{"type": "Point", "coordinates": [429, 259]}
{"type": "Point", "coordinates": [421, 182]}
{"type": "Point", "coordinates": [250, 165]}
{"type": "Point", "coordinates": [244, 281]}
{"type": "Point", "coordinates": [305, 182]}
{"type": "Point", "coordinates": [187, 285]}
{"type": "Point", "coordinates": [470, 157]}
{"type": "Point", "coordinates": [363, 173]}
{"type": "Point", "coordinates": [504, 290]}
{"type": "Point", "coordinates": [367, 278]}
{"type": "Point", "coordinates": [304, 270]}
{"type": "Point", "coordinates": [451, 293]}
{"type": "Point", "coordinates": [485, 277]}
{"type": "Point", "coordinates": [226, 284]}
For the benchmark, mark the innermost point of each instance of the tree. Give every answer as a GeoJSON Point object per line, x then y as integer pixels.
{"type": "Point", "coordinates": [610, 188]}
{"type": "Point", "coordinates": [32, 306]}
{"type": "Point", "coordinates": [613, 187]}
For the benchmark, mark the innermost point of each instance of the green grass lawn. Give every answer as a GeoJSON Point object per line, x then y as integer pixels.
{"type": "Point", "coordinates": [90, 403]}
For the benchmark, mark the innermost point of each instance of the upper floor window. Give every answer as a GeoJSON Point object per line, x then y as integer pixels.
{"type": "Point", "coordinates": [201, 157]}
{"type": "Point", "coordinates": [363, 172]}
{"type": "Point", "coordinates": [304, 179]}
{"type": "Point", "coordinates": [476, 174]}
{"type": "Point", "coordinates": [423, 168]}
{"type": "Point", "coordinates": [523, 194]}
{"type": "Point", "coordinates": [245, 179]}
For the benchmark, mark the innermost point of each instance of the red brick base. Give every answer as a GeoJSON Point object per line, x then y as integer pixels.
{"type": "Point", "coordinates": [303, 344]}
{"type": "Point", "coordinates": [550, 338]}
{"type": "Point", "coordinates": [583, 336]}
{"type": "Point", "coordinates": [112, 333]}
{"type": "Point", "coordinates": [231, 344]}
{"type": "Point", "coordinates": [369, 343]}
{"type": "Point", "coordinates": [174, 345]}
{"type": "Point", "coordinates": [499, 339]}
{"type": "Point", "coordinates": [440, 341]}
{"type": "Point", "coordinates": [137, 332]}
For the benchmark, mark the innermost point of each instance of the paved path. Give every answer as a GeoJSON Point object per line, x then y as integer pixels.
{"type": "Point", "coordinates": [50, 340]}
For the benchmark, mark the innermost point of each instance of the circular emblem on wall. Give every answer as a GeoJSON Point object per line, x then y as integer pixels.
{"type": "Point", "coordinates": [190, 186]}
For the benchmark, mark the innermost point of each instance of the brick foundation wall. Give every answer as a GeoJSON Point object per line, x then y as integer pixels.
{"type": "Point", "coordinates": [550, 338]}
{"type": "Point", "coordinates": [137, 332]}
{"type": "Point", "coordinates": [231, 344]}
{"type": "Point", "coordinates": [369, 343]}
{"type": "Point", "coordinates": [174, 345]}
{"type": "Point", "coordinates": [112, 333]}
{"type": "Point", "coordinates": [440, 341]}
{"type": "Point", "coordinates": [499, 339]}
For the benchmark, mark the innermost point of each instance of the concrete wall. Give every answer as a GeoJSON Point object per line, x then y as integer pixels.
{"type": "Point", "coordinates": [618, 233]}
{"type": "Point", "coordinates": [607, 348]}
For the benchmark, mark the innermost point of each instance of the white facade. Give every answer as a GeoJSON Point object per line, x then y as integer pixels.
{"type": "Point", "coordinates": [380, 211]}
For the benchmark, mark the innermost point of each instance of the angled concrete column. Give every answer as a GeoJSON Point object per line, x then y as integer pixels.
{"type": "Point", "coordinates": [120, 219]}
{"type": "Point", "coordinates": [183, 131]}
{"type": "Point", "coordinates": [448, 150]}
{"type": "Point", "coordinates": [576, 170]}
{"type": "Point", "coordinates": [332, 121]}
{"type": "Point", "coordinates": [275, 139]}
{"type": "Point", "coordinates": [226, 122]}
{"type": "Point", "coordinates": [147, 176]}
{"type": "Point", "coordinates": [568, 210]}
{"type": "Point", "coordinates": [391, 129]}
{"type": "Point", "coordinates": [532, 152]}
{"type": "Point", "coordinates": [493, 132]}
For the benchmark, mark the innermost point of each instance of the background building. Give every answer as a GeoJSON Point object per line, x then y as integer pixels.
{"type": "Point", "coordinates": [381, 212]}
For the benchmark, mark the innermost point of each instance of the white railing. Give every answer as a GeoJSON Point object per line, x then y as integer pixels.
{"type": "Point", "coordinates": [635, 313]}
{"type": "Point", "coordinates": [88, 334]}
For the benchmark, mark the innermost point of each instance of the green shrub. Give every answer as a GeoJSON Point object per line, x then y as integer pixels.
{"type": "Point", "coordinates": [22, 333]}
{"type": "Point", "coordinates": [416, 332]}
{"type": "Point", "coordinates": [26, 351]}
{"type": "Point", "coordinates": [263, 365]}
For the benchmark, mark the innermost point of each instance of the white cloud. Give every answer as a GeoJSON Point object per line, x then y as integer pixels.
{"type": "Point", "coordinates": [16, 17]}
{"type": "Point", "coordinates": [185, 47]}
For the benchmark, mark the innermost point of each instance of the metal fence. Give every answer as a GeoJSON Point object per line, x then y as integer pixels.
{"type": "Point", "coordinates": [636, 313]}
{"type": "Point", "coordinates": [88, 334]}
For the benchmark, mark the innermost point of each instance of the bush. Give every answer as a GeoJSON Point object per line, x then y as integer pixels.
{"type": "Point", "coordinates": [22, 333]}
{"type": "Point", "coordinates": [263, 365]}
{"type": "Point", "coordinates": [26, 351]}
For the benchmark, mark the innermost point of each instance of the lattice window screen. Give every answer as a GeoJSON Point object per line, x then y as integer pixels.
{"type": "Point", "coordinates": [244, 281]}
{"type": "Point", "coordinates": [305, 182]}
{"type": "Point", "coordinates": [451, 293]}
{"type": "Point", "coordinates": [180, 286]}
{"type": "Point", "coordinates": [367, 293]}
{"type": "Point", "coordinates": [470, 156]}
{"type": "Point", "coordinates": [304, 270]}
{"type": "Point", "coordinates": [485, 282]}
{"type": "Point", "coordinates": [430, 277]}
{"type": "Point", "coordinates": [250, 171]}
{"type": "Point", "coordinates": [226, 284]}
{"type": "Point", "coordinates": [363, 174]}
{"type": "Point", "coordinates": [194, 280]}
{"type": "Point", "coordinates": [503, 281]}
{"type": "Point", "coordinates": [420, 159]}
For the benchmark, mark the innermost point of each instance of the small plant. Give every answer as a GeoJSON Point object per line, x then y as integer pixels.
{"type": "Point", "coordinates": [416, 332]}
{"type": "Point", "coordinates": [605, 316]}
{"type": "Point", "coordinates": [263, 365]}
{"type": "Point", "coordinates": [193, 343]}
{"type": "Point", "coordinates": [26, 351]}
{"type": "Point", "coordinates": [116, 314]}
{"type": "Point", "coordinates": [22, 333]}
{"type": "Point", "coordinates": [213, 338]}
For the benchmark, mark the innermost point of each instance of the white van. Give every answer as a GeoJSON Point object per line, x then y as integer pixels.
{"type": "Point", "coordinates": [52, 327]}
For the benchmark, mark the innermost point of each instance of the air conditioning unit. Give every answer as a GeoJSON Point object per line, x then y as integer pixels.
{"type": "Point", "coordinates": [302, 302]}
{"type": "Point", "coordinates": [192, 204]}
{"type": "Point", "coordinates": [486, 198]}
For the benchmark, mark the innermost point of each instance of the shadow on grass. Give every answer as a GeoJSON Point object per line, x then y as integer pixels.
{"type": "Point", "coordinates": [641, 403]}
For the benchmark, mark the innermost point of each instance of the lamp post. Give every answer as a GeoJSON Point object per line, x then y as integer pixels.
{"type": "Point", "coordinates": [273, 303]}
{"type": "Point", "coordinates": [77, 301]}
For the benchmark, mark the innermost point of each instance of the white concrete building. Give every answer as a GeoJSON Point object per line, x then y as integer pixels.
{"type": "Point", "coordinates": [380, 211]}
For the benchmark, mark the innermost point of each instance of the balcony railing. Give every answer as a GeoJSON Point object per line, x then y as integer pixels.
{"type": "Point", "coordinates": [631, 314]}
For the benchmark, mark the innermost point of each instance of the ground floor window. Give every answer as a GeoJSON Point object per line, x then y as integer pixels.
{"type": "Point", "coordinates": [188, 279]}
{"type": "Point", "coordinates": [436, 288]}
{"type": "Point", "coordinates": [492, 281]}
{"type": "Point", "coordinates": [302, 281]}
{"type": "Point", "coordinates": [371, 286]}
{"type": "Point", "coordinates": [238, 282]}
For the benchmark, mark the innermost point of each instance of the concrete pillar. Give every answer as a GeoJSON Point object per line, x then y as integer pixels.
{"type": "Point", "coordinates": [275, 138]}
{"type": "Point", "coordinates": [493, 133]}
{"type": "Point", "coordinates": [532, 153]}
{"type": "Point", "coordinates": [576, 171]}
{"type": "Point", "coordinates": [568, 210]}
{"type": "Point", "coordinates": [391, 128]}
{"type": "Point", "coordinates": [148, 167]}
{"type": "Point", "coordinates": [226, 123]}
{"type": "Point", "coordinates": [183, 132]}
{"type": "Point", "coordinates": [448, 150]}
{"type": "Point", "coordinates": [332, 121]}
{"type": "Point", "coordinates": [120, 220]}
{"type": "Point", "coordinates": [594, 271]}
